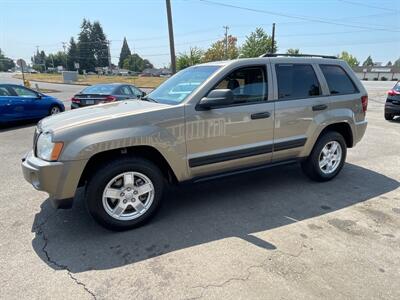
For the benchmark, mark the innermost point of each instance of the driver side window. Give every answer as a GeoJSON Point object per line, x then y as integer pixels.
{"type": "Point", "coordinates": [247, 84]}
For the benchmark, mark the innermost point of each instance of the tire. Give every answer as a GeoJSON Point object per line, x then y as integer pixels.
{"type": "Point", "coordinates": [311, 166]}
{"type": "Point", "coordinates": [101, 207]}
{"type": "Point", "coordinates": [389, 117]}
{"type": "Point", "coordinates": [54, 109]}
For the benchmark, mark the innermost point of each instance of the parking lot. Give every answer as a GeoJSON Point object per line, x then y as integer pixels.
{"type": "Point", "coordinates": [268, 235]}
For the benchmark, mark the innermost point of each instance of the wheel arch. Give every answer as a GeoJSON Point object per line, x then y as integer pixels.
{"type": "Point", "coordinates": [344, 129]}
{"type": "Point", "coordinates": [146, 152]}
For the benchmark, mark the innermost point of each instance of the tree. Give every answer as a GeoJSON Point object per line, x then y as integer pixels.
{"type": "Point", "coordinates": [87, 60]}
{"type": "Point", "coordinates": [185, 60]}
{"type": "Point", "coordinates": [147, 64]}
{"type": "Point", "coordinates": [397, 63]}
{"type": "Point", "coordinates": [72, 54]}
{"type": "Point", "coordinates": [125, 52]}
{"type": "Point", "coordinates": [57, 59]}
{"type": "Point", "coordinates": [389, 64]}
{"type": "Point", "coordinates": [350, 59]}
{"type": "Point", "coordinates": [39, 61]}
{"type": "Point", "coordinates": [258, 43]}
{"type": "Point", "coordinates": [368, 62]}
{"type": "Point", "coordinates": [293, 51]}
{"type": "Point", "coordinates": [217, 50]}
{"type": "Point", "coordinates": [5, 62]}
{"type": "Point", "coordinates": [135, 63]}
{"type": "Point", "coordinates": [99, 44]}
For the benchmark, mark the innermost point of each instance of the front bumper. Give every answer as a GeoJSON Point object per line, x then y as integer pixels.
{"type": "Point", "coordinates": [58, 179]}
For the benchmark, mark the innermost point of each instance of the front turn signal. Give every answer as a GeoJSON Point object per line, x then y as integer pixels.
{"type": "Point", "coordinates": [55, 154]}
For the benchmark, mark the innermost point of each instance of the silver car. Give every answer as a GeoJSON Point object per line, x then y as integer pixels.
{"type": "Point", "coordinates": [232, 116]}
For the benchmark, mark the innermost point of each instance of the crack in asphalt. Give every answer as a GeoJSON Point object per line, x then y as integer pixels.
{"type": "Point", "coordinates": [39, 232]}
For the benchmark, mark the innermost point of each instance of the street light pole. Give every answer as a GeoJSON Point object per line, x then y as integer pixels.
{"type": "Point", "coordinates": [171, 37]}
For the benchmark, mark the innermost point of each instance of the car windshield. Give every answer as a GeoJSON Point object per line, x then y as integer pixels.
{"type": "Point", "coordinates": [397, 87]}
{"type": "Point", "coordinates": [99, 89]}
{"type": "Point", "coordinates": [181, 85]}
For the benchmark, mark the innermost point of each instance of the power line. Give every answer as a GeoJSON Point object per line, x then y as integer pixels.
{"type": "Point", "coordinates": [366, 5]}
{"type": "Point", "coordinates": [304, 18]}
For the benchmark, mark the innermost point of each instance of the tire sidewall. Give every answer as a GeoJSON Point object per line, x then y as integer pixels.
{"type": "Point", "coordinates": [328, 137]}
{"type": "Point", "coordinates": [51, 108]}
{"type": "Point", "coordinates": [97, 184]}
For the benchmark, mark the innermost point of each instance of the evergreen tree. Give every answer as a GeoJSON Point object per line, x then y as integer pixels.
{"type": "Point", "coordinates": [99, 44]}
{"type": "Point", "coordinates": [258, 43]}
{"type": "Point", "coordinates": [87, 60]}
{"type": "Point", "coordinates": [125, 53]}
{"type": "Point", "coordinates": [389, 64]}
{"type": "Point", "coordinates": [72, 55]}
{"type": "Point", "coordinates": [368, 62]}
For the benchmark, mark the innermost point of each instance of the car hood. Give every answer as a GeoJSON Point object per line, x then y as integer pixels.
{"type": "Point", "coordinates": [97, 113]}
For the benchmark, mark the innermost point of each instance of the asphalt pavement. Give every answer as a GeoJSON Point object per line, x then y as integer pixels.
{"type": "Point", "coordinates": [268, 235]}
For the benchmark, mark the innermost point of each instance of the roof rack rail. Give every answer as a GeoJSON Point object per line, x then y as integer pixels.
{"type": "Point", "coordinates": [297, 55]}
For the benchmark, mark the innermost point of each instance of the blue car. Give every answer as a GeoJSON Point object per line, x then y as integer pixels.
{"type": "Point", "coordinates": [20, 103]}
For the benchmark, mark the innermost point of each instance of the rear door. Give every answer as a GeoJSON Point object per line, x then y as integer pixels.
{"type": "Point", "coordinates": [7, 112]}
{"type": "Point", "coordinates": [124, 92]}
{"type": "Point", "coordinates": [298, 100]}
{"type": "Point", "coordinates": [27, 101]}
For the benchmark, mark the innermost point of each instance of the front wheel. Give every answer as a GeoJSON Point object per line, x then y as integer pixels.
{"type": "Point", "coordinates": [124, 193]}
{"type": "Point", "coordinates": [327, 158]}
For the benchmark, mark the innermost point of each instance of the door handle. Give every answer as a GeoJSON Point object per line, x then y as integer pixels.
{"type": "Point", "coordinates": [319, 107]}
{"type": "Point", "coordinates": [261, 115]}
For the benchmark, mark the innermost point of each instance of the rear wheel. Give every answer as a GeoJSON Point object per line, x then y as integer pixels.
{"type": "Point", "coordinates": [389, 117]}
{"type": "Point", "coordinates": [327, 157]}
{"type": "Point", "coordinates": [124, 193]}
{"type": "Point", "coordinates": [54, 110]}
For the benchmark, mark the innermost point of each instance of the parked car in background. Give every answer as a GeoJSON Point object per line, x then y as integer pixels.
{"type": "Point", "coordinates": [104, 93]}
{"type": "Point", "coordinates": [20, 103]}
{"type": "Point", "coordinates": [234, 116]}
{"type": "Point", "coordinates": [392, 106]}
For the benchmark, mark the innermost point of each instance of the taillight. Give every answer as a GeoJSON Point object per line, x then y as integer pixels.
{"type": "Point", "coordinates": [364, 102]}
{"type": "Point", "coordinates": [75, 100]}
{"type": "Point", "coordinates": [393, 93]}
{"type": "Point", "coordinates": [110, 99]}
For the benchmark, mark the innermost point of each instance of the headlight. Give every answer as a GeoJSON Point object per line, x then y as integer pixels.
{"type": "Point", "coordinates": [46, 149]}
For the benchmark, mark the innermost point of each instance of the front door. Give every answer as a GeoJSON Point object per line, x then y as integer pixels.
{"type": "Point", "coordinates": [235, 136]}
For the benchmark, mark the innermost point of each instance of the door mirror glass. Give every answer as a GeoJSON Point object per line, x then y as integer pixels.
{"type": "Point", "coordinates": [217, 98]}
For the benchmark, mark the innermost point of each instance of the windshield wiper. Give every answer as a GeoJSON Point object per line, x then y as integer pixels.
{"type": "Point", "coordinates": [147, 98]}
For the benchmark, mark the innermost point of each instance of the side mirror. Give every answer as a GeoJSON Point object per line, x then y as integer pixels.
{"type": "Point", "coordinates": [144, 94]}
{"type": "Point", "coordinates": [216, 98]}
{"type": "Point", "coordinates": [39, 96]}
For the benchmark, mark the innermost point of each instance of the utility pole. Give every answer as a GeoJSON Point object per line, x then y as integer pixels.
{"type": "Point", "coordinates": [109, 55]}
{"type": "Point", "coordinates": [65, 54]}
{"type": "Point", "coordinates": [171, 37]}
{"type": "Point", "coordinates": [273, 38]}
{"type": "Point", "coordinates": [226, 41]}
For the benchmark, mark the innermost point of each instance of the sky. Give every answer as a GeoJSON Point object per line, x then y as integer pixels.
{"type": "Point", "coordinates": [361, 27]}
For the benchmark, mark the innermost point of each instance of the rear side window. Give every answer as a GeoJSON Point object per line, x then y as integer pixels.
{"type": "Point", "coordinates": [339, 82]}
{"type": "Point", "coordinates": [4, 91]}
{"type": "Point", "coordinates": [397, 87]}
{"type": "Point", "coordinates": [296, 81]}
